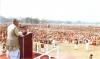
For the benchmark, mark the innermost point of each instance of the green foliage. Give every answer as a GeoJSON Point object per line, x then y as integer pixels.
{"type": "Point", "coordinates": [30, 20]}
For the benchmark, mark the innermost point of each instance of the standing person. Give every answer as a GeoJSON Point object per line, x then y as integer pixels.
{"type": "Point", "coordinates": [42, 45]}
{"type": "Point", "coordinates": [12, 41]}
{"type": "Point", "coordinates": [1, 48]}
{"type": "Point", "coordinates": [91, 56]}
{"type": "Point", "coordinates": [76, 43]}
{"type": "Point", "coordinates": [87, 44]}
{"type": "Point", "coordinates": [54, 43]}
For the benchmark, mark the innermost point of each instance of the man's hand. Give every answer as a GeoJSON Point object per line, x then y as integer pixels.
{"type": "Point", "coordinates": [20, 34]}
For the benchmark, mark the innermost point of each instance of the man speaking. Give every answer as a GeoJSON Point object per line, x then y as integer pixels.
{"type": "Point", "coordinates": [12, 41]}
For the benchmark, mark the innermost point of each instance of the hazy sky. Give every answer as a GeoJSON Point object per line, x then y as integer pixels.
{"type": "Point", "coordinates": [74, 10]}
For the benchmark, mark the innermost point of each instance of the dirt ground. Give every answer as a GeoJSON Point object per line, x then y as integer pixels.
{"type": "Point", "coordinates": [68, 51]}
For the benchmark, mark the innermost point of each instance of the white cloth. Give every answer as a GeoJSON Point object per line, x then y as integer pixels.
{"type": "Point", "coordinates": [54, 43]}
{"type": "Point", "coordinates": [13, 54]}
{"type": "Point", "coordinates": [87, 46]}
{"type": "Point", "coordinates": [12, 42]}
{"type": "Point", "coordinates": [76, 46]}
{"type": "Point", "coordinates": [10, 32]}
{"type": "Point", "coordinates": [12, 36]}
{"type": "Point", "coordinates": [1, 48]}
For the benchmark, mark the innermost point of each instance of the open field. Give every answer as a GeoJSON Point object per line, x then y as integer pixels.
{"type": "Point", "coordinates": [81, 53]}
{"type": "Point", "coordinates": [67, 51]}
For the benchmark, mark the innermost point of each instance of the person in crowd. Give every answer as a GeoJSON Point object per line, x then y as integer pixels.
{"type": "Point", "coordinates": [76, 43]}
{"type": "Point", "coordinates": [87, 44]}
{"type": "Point", "coordinates": [42, 46]}
{"type": "Point", "coordinates": [1, 48]}
{"type": "Point", "coordinates": [91, 56]}
{"type": "Point", "coordinates": [54, 43]}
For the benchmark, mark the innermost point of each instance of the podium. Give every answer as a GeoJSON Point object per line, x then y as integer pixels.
{"type": "Point", "coordinates": [26, 46]}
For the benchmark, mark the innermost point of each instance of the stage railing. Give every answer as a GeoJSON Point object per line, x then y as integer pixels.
{"type": "Point", "coordinates": [53, 52]}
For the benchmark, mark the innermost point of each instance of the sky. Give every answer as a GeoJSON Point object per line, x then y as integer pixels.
{"type": "Point", "coordinates": [66, 10]}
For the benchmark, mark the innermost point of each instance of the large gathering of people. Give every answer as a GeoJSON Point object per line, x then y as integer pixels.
{"type": "Point", "coordinates": [63, 32]}
{"type": "Point", "coordinates": [51, 33]}
{"type": "Point", "coordinates": [57, 32]}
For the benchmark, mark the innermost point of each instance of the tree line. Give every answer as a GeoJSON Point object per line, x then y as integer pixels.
{"type": "Point", "coordinates": [23, 20]}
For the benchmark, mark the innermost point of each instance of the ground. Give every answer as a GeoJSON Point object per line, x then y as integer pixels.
{"type": "Point", "coordinates": [68, 52]}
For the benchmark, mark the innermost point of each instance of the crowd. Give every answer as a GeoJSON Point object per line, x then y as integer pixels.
{"type": "Point", "coordinates": [46, 33]}
{"type": "Point", "coordinates": [3, 36]}
{"type": "Point", "coordinates": [62, 32]}
{"type": "Point", "coordinates": [51, 33]}
{"type": "Point", "coordinates": [57, 32]}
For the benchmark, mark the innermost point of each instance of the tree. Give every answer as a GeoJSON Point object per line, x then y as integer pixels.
{"type": "Point", "coordinates": [36, 21]}
{"type": "Point", "coordinates": [43, 21]}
